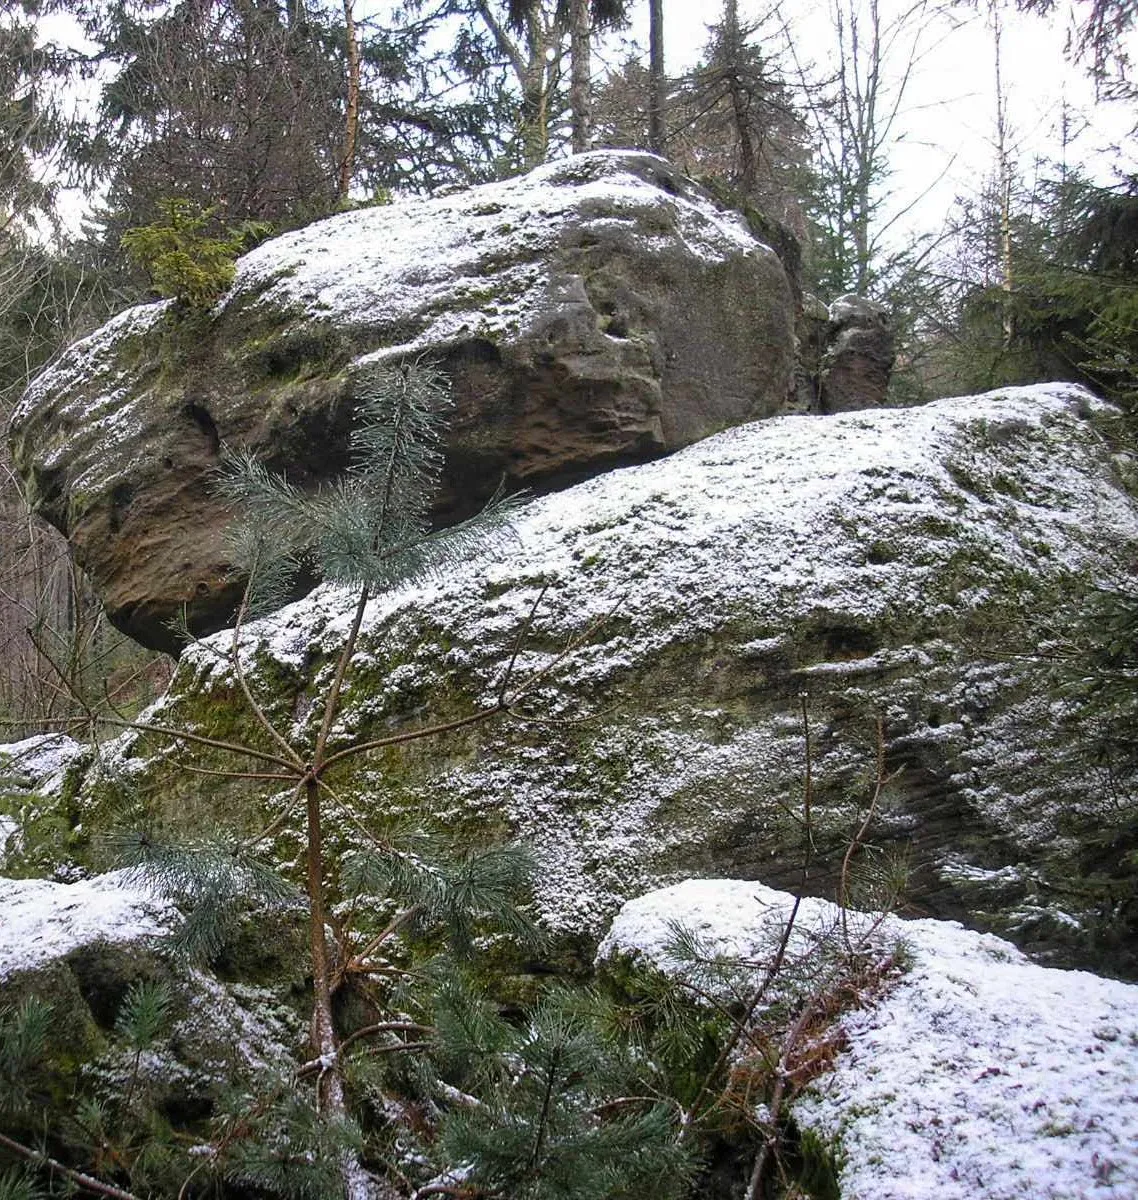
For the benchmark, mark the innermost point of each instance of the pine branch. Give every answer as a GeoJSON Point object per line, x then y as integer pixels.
{"type": "Point", "coordinates": [258, 712]}
{"type": "Point", "coordinates": [183, 735]}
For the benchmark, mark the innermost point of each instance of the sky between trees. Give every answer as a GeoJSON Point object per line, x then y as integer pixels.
{"type": "Point", "coordinates": [950, 109]}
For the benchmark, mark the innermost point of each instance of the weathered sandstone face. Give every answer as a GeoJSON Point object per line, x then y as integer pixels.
{"type": "Point", "coordinates": [596, 312]}
{"type": "Point", "coordinates": [858, 358]}
{"type": "Point", "coordinates": [894, 570]}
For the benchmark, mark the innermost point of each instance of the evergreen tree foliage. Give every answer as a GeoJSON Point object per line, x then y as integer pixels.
{"type": "Point", "coordinates": [118, 1133]}
{"type": "Point", "coordinates": [214, 881]}
{"type": "Point", "coordinates": [182, 260]}
{"type": "Point", "coordinates": [25, 1034]}
{"type": "Point", "coordinates": [1098, 39]}
{"type": "Point", "coordinates": [242, 107]}
{"type": "Point", "coordinates": [561, 1108]}
{"type": "Point", "coordinates": [371, 529]}
{"type": "Point", "coordinates": [19, 1184]}
{"type": "Point", "coordinates": [226, 104]}
{"type": "Point", "coordinates": [32, 128]}
{"type": "Point", "coordinates": [368, 531]}
{"type": "Point", "coordinates": [732, 123]}
{"type": "Point", "coordinates": [286, 1148]}
{"type": "Point", "coordinates": [1071, 311]}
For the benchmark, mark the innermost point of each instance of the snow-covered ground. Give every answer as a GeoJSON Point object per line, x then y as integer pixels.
{"type": "Point", "coordinates": [40, 760]}
{"type": "Point", "coordinates": [976, 1076]}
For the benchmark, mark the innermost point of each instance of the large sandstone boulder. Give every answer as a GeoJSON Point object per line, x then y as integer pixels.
{"type": "Point", "coordinates": [598, 311]}
{"type": "Point", "coordinates": [893, 565]}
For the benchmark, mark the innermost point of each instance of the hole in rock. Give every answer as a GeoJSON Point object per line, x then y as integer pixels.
{"type": "Point", "coordinates": [200, 416]}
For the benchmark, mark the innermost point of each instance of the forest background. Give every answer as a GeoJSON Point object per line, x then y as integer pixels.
{"type": "Point", "coordinates": [1007, 257]}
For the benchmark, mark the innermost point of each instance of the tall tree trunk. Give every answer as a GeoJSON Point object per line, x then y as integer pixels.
{"type": "Point", "coordinates": [535, 57]}
{"type": "Point", "coordinates": [656, 79]}
{"type": "Point", "coordinates": [740, 106]}
{"type": "Point", "coordinates": [865, 140]}
{"type": "Point", "coordinates": [1004, 167]}
{"type": "Point", "coordinates": [535, 112]}
{"type": "Point", "coordinates": [580, 72]}
{"type": "Point", "coordinates": [352, 112]}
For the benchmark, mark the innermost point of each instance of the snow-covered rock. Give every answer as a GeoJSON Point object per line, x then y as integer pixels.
{"type": "Point", "coordinates": [79, 948]}
{"type": "Point", "coordinates": [41, 921]}
{"type": "Point", "coordinates": [895, 565]}
{"type": "Point", "coordinates": [32, 773]}
{"type": "Point", "coordinates": [976, 1075]}
{"type": "Point", "coordinates": [596, 311]}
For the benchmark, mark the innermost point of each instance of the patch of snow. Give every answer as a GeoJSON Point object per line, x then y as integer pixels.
{"type": "Point", "coordinates": [41, 921]}
{"type": "Point", "coordinates": [742, 919]}
{"type": "Point", "coordinates": [41, 759]}
{"type": "Point", "coordinates": [244, 1024]}
{"type": "Point", "coordinates": [90, 358]}
{"type": "Point", "coordinates": [418, 260]}
{"type": "Point", "coordinates": [977, 1076]}
{"type": "Point", "coordinates": [31, 774]}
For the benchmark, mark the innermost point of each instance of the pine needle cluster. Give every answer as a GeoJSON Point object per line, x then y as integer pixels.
{"type": "Point", "coordinates": [545, 1103]}
{"type": "Point", "coordinates": [25, 1035]}
{"type": "Point", "coordinates": [371, 528]}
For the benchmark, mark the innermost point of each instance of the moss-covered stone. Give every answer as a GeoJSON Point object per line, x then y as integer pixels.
{"type": "Point", "coordinates": [702, 599]}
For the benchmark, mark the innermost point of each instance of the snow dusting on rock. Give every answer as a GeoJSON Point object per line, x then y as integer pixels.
{"type": "Point", "coordinates": [977, 1076]}
{"type": "Point", "coordinates": [32, 773]}
{"type": "Point", "coordinates": [889, 564]}
{"type": "Point", "coordinates": [419, 262]}
{"type": "Point", "coordinates": [41, 921]}
{"type": "Point", "coordinates": [39, 761]}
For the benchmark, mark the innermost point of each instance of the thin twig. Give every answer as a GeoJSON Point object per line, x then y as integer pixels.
{"type": "Point", "coordinates": [880, 781]}
{"type": "Point", "coordinates": [384, 1027]}
{"type": "Point", "coordinates": [523, 633]}
{"type": "Point", "coordinates": [784, 942]}
{"type": "Point", "coordinates": [198, 740]}
{"type": "Point", "coordinates": [254, 706]}
{"type": "Point", "coordinates": [279, 820]}
{"type": "Point", "coordinates": [87, 1182]}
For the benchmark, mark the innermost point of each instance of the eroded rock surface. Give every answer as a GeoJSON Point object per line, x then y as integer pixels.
{"type": "Point", "coordinates": [598, 311]}
{"type": "Point", "coordinates": [894, 566]}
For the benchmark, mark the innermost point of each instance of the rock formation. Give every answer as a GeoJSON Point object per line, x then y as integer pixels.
{"type": "Point", "coordinates": [857, 594]}
{"type": "Point", "coordinates": [79, 948]}
{"type": "Point", "coordinates": [599, 311]}
{"type": "Point", "coordinates": [889, 566]}
{"type": "Point", "coordinates": [858, 357]}
{"type": "Point", "coordinates": [846, 352]}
